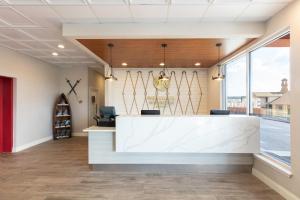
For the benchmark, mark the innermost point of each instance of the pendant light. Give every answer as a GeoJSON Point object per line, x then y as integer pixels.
{"type": "Point", "coordinates": [220, 76]}
{"type": "Point", "coordinates": [162, 74]}
{"type": "Point", "coordinates": [111, 77]}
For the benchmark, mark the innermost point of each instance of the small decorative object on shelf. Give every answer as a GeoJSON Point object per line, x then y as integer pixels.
{"type": "Point", "coordinates": [62, 118]}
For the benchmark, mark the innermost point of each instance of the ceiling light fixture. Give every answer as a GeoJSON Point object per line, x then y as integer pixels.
{"type": "Point", "coordinates": [197, 64]}
{"type": "Point", "coordinates": [61, 46]}
{"type": "Point", "coordinates": [124, 64]}
{"type": "Point", "coordinates": [111, 76]}
{"type": "Point", "coordinates": [162, 74]}
{"type": "Point", "coordinates": [220, 76]}
{"type": "Point", "coordinates": [54, 54]}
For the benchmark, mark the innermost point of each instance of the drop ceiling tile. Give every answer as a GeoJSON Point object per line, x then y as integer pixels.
{"type": "Point", "coordinates": [43, 16]}
{"type": "Point", "coordinates": [105, 12]}
{"type": "Point", "coordinates": [43, 34]}
{"type": "Point", "coordinates": [103, 2]}
{"type": "Point", "coordinates": [35, 45]}
{"type": "Point", "coordinates": [12, 45]}
{"type": "Point", "coordinates": [231, 1]}
{"type": "Point", "coordinates": [35, 53]}
{"type": "Point", "coordinates": [262, 11]}
{"type": "Point", "coordinates": [117, 21]}
{"type": "Point", "coordinates": [81, 21]}
{"type": "Point", "coordinates": [224, 12]}
{"type": "Point", "coordinates": [149, 12]}
{"type": "Point", "coordinates": [25, 2]}
{"type": "Point", "coordinates": [48, 59]}
{"type": "Point", "coordinates": [189, 11]}
{"type": "Point", "coordinates": [2, 38]}
{"type": "Point", "coordinates": [148, 2]}
{"type": "Point", "coordinates": [252, 19]}
{"type": "Point", "coordinates": [66, 2]}
{"type": "Point", "coordinates": [14, 34]}
{"type": "Point", "coordinates": [3, 24]}
{"type": "Point", "coordinates": [53, 44]}
{"type": "Point", "coordinates": [80, 60]}
{"type": "Point", "coordinates": [74, 12]}
{"type": "Point", "coordinates": [272, 1]}
{"type": "Point", "coordinates": [190, 2]}
{"type": "Point", "coordinates": [12, 17]}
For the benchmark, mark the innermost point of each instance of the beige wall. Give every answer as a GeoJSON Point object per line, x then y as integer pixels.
{"type": "Point", "coordinates": [79, 110]}
{"type": "Point", "coordinates": [96, 88]}
{"type": "Point", "coordinates": [36, 89]}
{"type": "Point", "coordinates": [214, 90]}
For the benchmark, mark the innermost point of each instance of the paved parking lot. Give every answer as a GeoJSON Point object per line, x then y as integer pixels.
{"type": "Point", "coordinates": [275, 139]}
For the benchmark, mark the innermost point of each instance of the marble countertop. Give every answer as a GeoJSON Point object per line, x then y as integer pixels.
{"type": "Point", "coordinates": [99, 129]}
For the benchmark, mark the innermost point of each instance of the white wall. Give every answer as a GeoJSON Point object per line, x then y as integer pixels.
{"type": "Point", "coordinates": [114, 90]}
{"type": "Point", "coordinates": [79, 110]}
{"type": "Point", "coordinates": [36, 89]}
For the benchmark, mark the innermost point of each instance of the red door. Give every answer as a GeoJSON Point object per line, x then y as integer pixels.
{"type": "Point", "coordinates": [6, 114]}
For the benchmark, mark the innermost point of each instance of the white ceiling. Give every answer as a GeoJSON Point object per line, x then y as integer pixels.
{"type": "Point", "coordinates": [33, 27]}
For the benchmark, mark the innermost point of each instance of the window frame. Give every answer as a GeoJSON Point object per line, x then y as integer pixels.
{"type": "Point", "coordinates": [225, 83]}
{"type": "Point", "coordinates": [247, 53]}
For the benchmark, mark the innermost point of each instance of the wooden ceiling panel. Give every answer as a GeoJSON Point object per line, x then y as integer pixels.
{"type": "Point", "coordinates": [148, 52]}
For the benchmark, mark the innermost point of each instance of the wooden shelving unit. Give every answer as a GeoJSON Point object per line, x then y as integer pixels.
{"type": "Point", "coordinates": [62, 118]}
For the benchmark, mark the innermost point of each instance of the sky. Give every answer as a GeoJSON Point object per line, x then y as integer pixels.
{"type": "Point", "coordinates": [269, 66]}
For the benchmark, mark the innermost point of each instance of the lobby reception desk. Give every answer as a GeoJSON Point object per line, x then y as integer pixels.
{"type": "Point", "coordinates": [176, 140]}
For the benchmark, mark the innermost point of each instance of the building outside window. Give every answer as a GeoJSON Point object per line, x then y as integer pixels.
{"type": "Point", "coordinates": [236, 82]}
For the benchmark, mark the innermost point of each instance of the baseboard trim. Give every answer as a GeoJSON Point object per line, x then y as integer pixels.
{"type": "Point", "coordinates": [79, 134]}
{"type": "Point", "coordinates": [31, 144]}
{"type": "Point", "coordinates": [275, 186]}
{"type": "Point", "coordinates": [172, 168]}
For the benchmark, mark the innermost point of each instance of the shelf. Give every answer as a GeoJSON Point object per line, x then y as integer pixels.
{"type": "Point", "coordinates": [60, 137]}
{"type": "Point", "coordinates": [60, 127]}
{"type": "Point", "coordinates": [63, 115]}
{"type": "Point", "coordinates": [62, 118]}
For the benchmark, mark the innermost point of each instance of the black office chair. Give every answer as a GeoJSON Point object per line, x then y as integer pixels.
{"type": "Point", "coordinates": [219, 112]}
{"type": "Point", "coordinates": [107, 116]}
{"type": "Point", "coordinates": [150, 112]}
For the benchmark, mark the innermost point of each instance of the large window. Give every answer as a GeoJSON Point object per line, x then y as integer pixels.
{"type": "Point", "coordinates": [236, 81]}
{"type": "Point", "coordinates": [267, 95]}
{"type": "Point", "coordinates": [270, 99]}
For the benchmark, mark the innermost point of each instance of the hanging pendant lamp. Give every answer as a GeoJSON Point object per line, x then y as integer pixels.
{"type": "Point", "coordinates": [111, 76]}
{"type": "Point", "coordinates": [162, 74]}
{"type": "Point", "coordinates": [220, 76]}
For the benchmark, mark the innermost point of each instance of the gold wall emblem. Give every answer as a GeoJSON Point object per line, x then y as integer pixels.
{"type": "Point", "coordinates": [160, 84]}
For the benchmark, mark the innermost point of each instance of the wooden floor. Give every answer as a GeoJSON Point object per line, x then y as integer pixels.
{"type": "Point", "coordinates": [59, 171]}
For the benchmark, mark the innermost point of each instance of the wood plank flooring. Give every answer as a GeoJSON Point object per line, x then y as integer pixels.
{"type": "Point", "coordinates": [58, 170]}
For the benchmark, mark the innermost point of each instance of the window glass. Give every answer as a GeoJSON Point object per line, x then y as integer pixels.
{"type": "Point", "coordinates": [236, 83]}
{"type": "Point", "coordinates": [270, 96]}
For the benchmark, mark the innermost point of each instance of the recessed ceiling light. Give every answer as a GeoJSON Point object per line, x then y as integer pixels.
{"type": "Point", "coordinates": [54, 54]}
{"type": "Point", "coordinates": [61, 46]}
{"type": "Point", "coordinates": [124, 64]}
{"type": "Point", "coordinates": [197, 64]}
{"type": "Point", "coordinates": [162, 64]}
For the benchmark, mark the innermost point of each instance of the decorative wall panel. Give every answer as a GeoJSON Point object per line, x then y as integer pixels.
{"type": "Point", "coordinates": [138, 89]}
